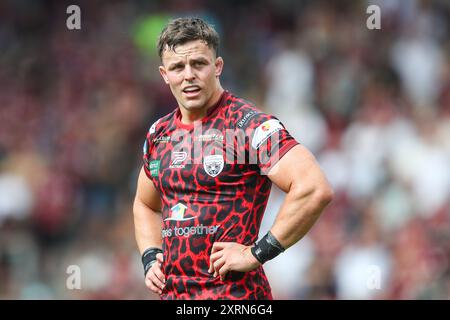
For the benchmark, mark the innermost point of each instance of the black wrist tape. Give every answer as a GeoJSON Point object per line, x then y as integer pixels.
{"type": "Point", "coordinates": [149, 257]}
{"type": "Point", "coordinates": [267, 248]}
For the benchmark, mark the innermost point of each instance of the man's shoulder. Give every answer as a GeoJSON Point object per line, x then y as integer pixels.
{"type": "Point", "coordinates": [245, 114]}
{"type": "Point", "coordinates": [240, 111]}
{"type": "Point", "coordinates": [237, 104]}
{"type": "Point", "coordinates": [161, 124]}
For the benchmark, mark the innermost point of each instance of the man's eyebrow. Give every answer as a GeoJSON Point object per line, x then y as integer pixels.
{"type": "Point", "coordinates": [200, 59]}
{"type": "Point", "coordinates": [176, 64]}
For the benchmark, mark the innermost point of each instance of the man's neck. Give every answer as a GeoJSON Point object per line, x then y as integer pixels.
{"type": "Point", "coordinates": [190, 116]}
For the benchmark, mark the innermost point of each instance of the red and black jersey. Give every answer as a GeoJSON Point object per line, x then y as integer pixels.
{"type": "Point", "coordinates": [212, 180]}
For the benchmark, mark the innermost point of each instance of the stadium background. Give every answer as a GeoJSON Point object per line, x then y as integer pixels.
{"type": "Point", "coordinates": [373, 106]}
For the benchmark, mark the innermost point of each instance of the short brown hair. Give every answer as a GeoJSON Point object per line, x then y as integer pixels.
{"type": "Point", "coordinates": [182, 30]}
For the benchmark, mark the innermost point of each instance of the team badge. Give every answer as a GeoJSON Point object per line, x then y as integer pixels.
{"type": "Point", "coordinates": [213, 164]}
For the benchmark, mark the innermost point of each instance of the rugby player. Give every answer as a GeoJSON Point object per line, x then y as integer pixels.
{"type": "Point", "coordinates": [206, 178]}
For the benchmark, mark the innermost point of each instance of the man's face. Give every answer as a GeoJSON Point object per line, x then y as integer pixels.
{"type": "Point", "coordinates": [192, 72]}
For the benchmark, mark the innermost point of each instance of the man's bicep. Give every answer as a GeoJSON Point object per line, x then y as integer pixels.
{"type": "Point", "coordinates": [147, 193]}
{"type": "Point", "coordinates": [298, 166]}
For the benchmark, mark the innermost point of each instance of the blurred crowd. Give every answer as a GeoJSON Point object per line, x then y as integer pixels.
{"type": "Point", "coordinates": [372, 105]}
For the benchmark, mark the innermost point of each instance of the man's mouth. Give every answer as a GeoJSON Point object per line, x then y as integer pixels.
{"type": "Point", "coordinates": [191, 91]}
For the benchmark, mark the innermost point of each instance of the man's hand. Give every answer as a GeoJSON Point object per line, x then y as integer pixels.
{"type": "Point", "coordinates": [155, 279]}
{"type": "Point", "coordinates": [231, 256]}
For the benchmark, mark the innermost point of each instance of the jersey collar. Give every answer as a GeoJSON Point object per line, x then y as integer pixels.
{"type": "Point", "coordinates": [210, 113]}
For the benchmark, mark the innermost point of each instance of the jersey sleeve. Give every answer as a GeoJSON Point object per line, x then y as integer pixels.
{"type": "Point", "coordinates": [268, 141]}
{"type": "Point", "coordinates": [146, 149]}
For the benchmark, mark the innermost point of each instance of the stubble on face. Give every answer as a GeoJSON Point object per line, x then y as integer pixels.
{"type": "Point", "coordinates": [190, 71]}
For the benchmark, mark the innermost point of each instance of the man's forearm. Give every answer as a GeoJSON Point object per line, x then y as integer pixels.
{"type": "Point", "coordinates": [147, 224]}
{"type": "Point", "coordinates": [298, 213]}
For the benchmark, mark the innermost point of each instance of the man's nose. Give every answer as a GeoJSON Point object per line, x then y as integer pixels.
{"type": "Point", "coordinates": [189, 74]}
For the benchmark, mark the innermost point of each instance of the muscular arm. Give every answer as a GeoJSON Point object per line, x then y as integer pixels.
{"type": "Point", "coordinates": [147, 215]}
{"type": "Point", "coordinates": [147, 225]}
{"type": "Point", "coordinates": [308, 193]}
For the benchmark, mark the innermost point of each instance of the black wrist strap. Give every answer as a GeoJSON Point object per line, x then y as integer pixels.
{"type": "Point", "coordinates": [267, 248]}
{"type": "Point", "coordinates": [149, 257]}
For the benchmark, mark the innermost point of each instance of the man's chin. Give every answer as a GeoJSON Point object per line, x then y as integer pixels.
{"type": "Point", "coordinates": [193, 105]}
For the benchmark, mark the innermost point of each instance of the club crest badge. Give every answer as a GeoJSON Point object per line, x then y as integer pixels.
{"type": "Point", "coordinates": [213, 165]}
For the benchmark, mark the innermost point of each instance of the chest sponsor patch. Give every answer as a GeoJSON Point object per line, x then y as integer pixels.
{"type": "Point", "coordinates": [178, 158]}
{"type": "Point", "coordinates": [177, 213]}
{"type": "Point", "coordinates": [211, 137]}
{"type": "Point", "coordinates": [162, 139]}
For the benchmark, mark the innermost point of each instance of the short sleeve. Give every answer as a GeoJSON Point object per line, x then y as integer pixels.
{"type": "Point", "coordinates": [146, 157]}
{"type": "Point", "coordinates": [146, 149]}
{"type": "Point", "coordinates": [268, 141]}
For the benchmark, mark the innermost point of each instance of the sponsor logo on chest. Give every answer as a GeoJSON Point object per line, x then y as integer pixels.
{"type": "Point", "coordinates": [178, 160]}
{"type": "Point", "coordinates": [211, 137]}
{"type": "Point", "coordinates": [161, 139]}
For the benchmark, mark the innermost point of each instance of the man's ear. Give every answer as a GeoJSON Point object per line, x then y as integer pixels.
{"type": "Point", "coordinates": [219, 66]}
{"type": "Point", "coordinates": [163, 73]}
